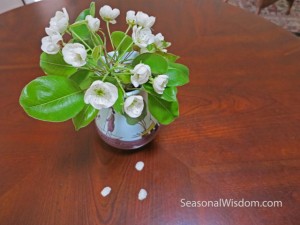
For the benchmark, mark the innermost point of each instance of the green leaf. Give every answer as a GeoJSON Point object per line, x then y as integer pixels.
{"type": "Point", "coordinates": [117, 37]}
{"type": "Point", "coordinates": [83, 78]}
{"type": "Point", "coordinates": [96, 39]}
{"type": "Point", "coordinates": [118, 106]}
{"type": "Point", "coordinates": [124, 78]}
{"type": "Point", "coordinates": [84, 13]}
{"type": "Point", "coordinates": [169, 93]}
{"type": "Point", "coordinates": [178, 74]}
{"type": "Point", "coordinates": [165, 112]}
{"type": "Point", "coordinates": [82, 33]}
{"type": "Point", "coordinates": [169, 56]}
{"type": "Point", "coordinates": [80, 30]}
{"type": "Point", "coordinates": [151, 48]}
{"type": "Point", "coordinates": [111, 80]}
{"type": "Point", "coordinates": [52, 98]}
{"type": "Point", "coordinates": [92, 9]}
{"type": "Point", "coordinates": [96, 53]}
{"type": "Point", "coordinates": [157, 63]}
{"type": "Point", "coordinates": [179, 66]}
{"type": "Point", "coordinates": [85, 117]}
{"type": "Point", "coordinates": [55, 65]}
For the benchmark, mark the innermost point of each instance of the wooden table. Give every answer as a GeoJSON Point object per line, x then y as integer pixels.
{"type": "Point", "coordinates": [238, 136]}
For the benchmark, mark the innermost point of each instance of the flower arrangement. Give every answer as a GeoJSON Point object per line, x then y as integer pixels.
{"type": "Point", "coordinates": [83, 76]}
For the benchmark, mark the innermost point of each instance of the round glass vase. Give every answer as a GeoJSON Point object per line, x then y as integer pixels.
{"type": "Point", "coordinates": [121, 132]}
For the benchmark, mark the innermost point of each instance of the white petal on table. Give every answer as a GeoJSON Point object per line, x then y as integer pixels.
{"type": "Point", "coordinates": [105, 191]}
{"type": "Point", "coordinates": [139, 166]}
{"type": "Point", "coordinates": [142, 194]}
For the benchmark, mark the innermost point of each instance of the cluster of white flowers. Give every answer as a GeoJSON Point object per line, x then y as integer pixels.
{"type": "Point", "coordinates": [142, 73]}
{"type": "Point", "coordinates": [104, 94]}
{"type": "Point", "coordinates": [58, 25]}
{"type": "Point", "coordinates": [142, 34]}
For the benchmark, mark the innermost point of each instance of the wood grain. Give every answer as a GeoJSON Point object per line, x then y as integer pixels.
{"type": "Point", "coordinates": [238, 136]}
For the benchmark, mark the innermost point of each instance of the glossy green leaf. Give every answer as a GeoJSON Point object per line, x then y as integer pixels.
{"type": "Point", "coordinates": [82, 33]}
{"type": "Point", "coordinates": [83, 78]}
{"type": "Point", "coordinates": [111, 80]}
{"type": "Point", "coordinates": [118, 106]}
{"type": "Point", "coordinates": [179, 66]}
{"type": "Point", "coordinates": [55, 65]}
{"type": "Point", "coordinates": [96, 39]}
{"type": "Point", "coordinates": [52, 98]}
{"type": "Point", "coordinates": [151, 48]}
{"type": "Point", "coordinates": [165, 112]}
{"type": "Point", "coordinates": [96, 53]}
{"type": "Point", "coordinates": [125, 78]}
{"type": "Point", "coordinates": [157, 63]}
{"type": "Point", "coordinates": [84, 13]}
{"type": "Point", "coordinates": [169, 93]}
{"type": "Point", "coordinates": [80, 30]}
{"type": "Point", "coordinates": [85, 117]}
{"type": "Point", "coordinates": [178, 74]}
{"type": "Point", "coordinates": [169, 56]}
{"type": "Point", "coordinates": [117, 37]}
{"type": "Point", "coordinates": [92, 9]}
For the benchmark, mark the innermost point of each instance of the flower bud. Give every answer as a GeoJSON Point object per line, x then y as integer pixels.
{"type": "Point", "coordinates": [131, 17]}
{"type": "Point", "coordinates": [160, 83]}
{"type": "Point", "coordinates": [108, 14]}
{"type": "Point", "coordinates": [134, 105]}
{"type": "Point", "coordinates": [93, 23]}
{"type": "Point", "coordinates": [141, 74]}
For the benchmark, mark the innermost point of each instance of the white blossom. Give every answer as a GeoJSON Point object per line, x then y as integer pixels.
{"type": "Point", "coordinates": [74, 54]}
{"type": "Point", "coordinates": [108, 14]}
{"type": "Point", "coordinates": [60, 21]}
{"type": "Point", "coordinates": [101, 94]}
{"type": "Point", "coordinates": [50, 44]}
{"type": "Point", "coordinates": [142, 37]}
{"type": "Point", "coordinates": [160, 43]}
{"type": "Point", "coordinates": [134, 105]}
{"type": "Point", "coordinates": [131, 17]}
{"type": "Point", "coordinates": [144, 20]}
{"type": "Point", "coordinates": [93, 23]}
{"type": "Point", "coordinates": [141, 74]}
{"type": "Point", "coordinates": [160, 83]}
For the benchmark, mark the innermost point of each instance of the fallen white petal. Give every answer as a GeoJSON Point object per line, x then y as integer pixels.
{"type": "Point", "coordinates": [142, 194]}
{"type": "Point", "coordinates": [105, 191]}
{"type": "Point", "coordinates": [139, 166]}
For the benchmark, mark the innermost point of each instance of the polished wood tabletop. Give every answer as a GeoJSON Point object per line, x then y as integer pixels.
{"type": "Point", "coordinates": [237, 137]}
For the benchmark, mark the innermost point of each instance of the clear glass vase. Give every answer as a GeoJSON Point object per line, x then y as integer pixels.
{"type": "Point", "coordinates": [117, 131]}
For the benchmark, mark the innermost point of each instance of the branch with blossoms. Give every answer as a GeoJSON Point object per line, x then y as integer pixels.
{"type": "Point", "coordinates": [83, 76]}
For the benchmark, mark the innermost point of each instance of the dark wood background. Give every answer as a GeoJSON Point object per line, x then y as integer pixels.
{"type": "Point", "coordinates": [238, 135]}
